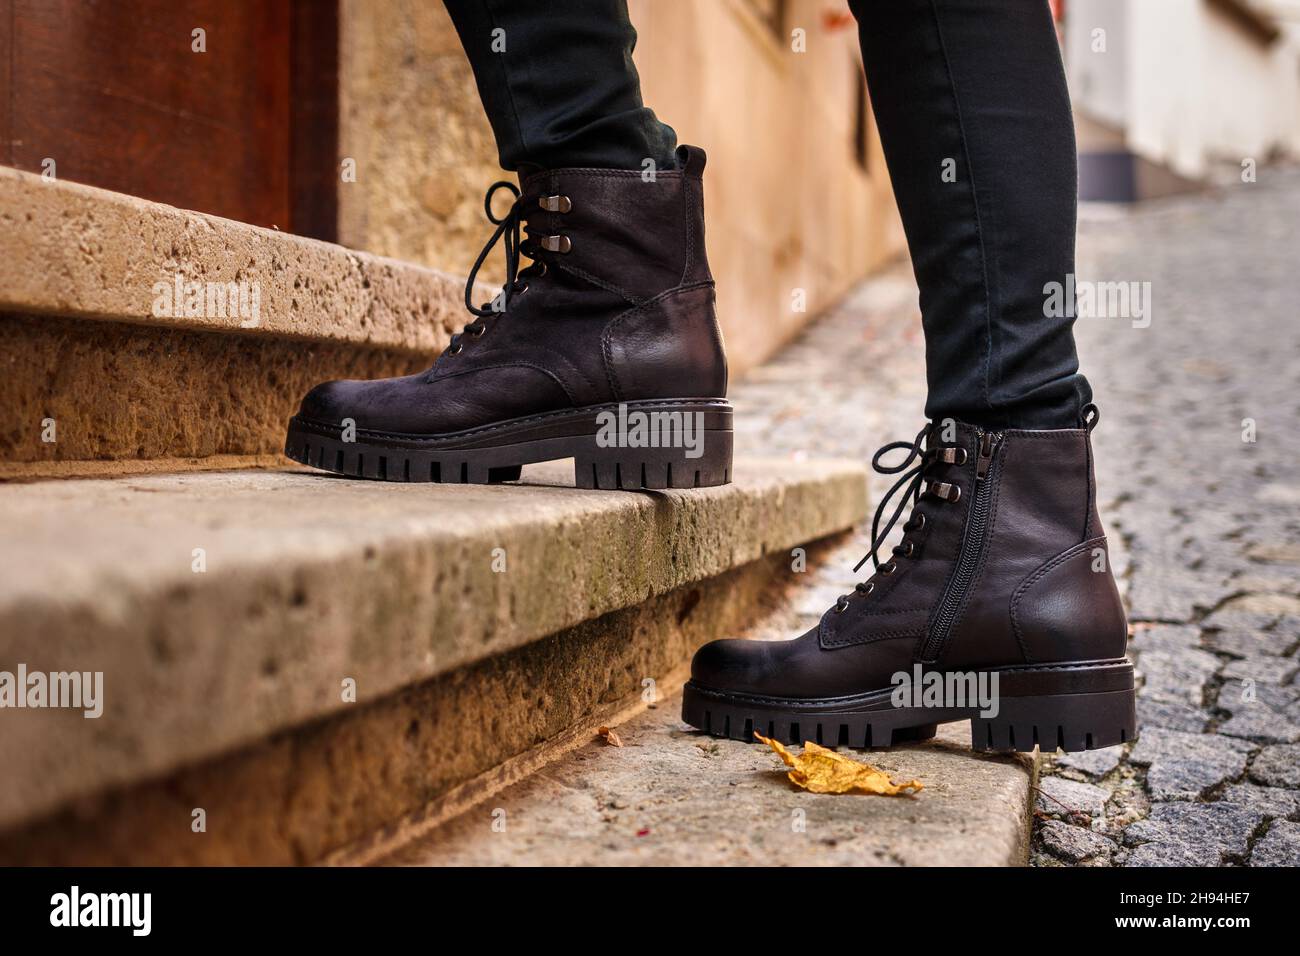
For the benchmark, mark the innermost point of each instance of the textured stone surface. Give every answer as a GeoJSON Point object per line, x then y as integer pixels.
{"type": "Point", "coordinates": [1093, 763]}
{"type": "Point", "coordinates": [1182, 766]}
{"type": "Point", "coordinates": [383, 765]}
{"type": "Point", "coordinates": [1193, 831]}
{"type": "Point", "coordinates": [1261, 670]}
{"type": "Point", "coordinates": [671, 795]}
{"type": "Point", "coordinates": [1174, 854]}
{"type": "Point", "coordinates": [1075, 844]}
{"type": "Point", "coordinates": [77, 251]}
{"type": "Point", "coordinates": [1249, 644]}
{"type": "Point", "coordinates": [311, 579]}
{"type": "Point", "coordinates": [174, 394]}
{"type": "Point", "coordinates": [1280, 846]}
{"type": "Point", "coordinates": [1196, 456]}
{"type": "Point", "coordinates": [1262, 727]}
{"type": "Point", "coordinates": [1176, 675]}
{"type": "Point", "coordinates": [1057, 796]}
{"type": "Point", "coordinates": [1170, 715]}
{"type": "Point", "coordinates": [1277, 766]}
{"type": "Point", "coordinates": [1270, 801]}
{"type": "Point", "coordinates": [410, 117]}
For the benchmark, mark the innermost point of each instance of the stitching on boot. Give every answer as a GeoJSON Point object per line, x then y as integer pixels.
{"type": "Point", "coordinates": [606, 337]}
{"type": "Point", "coordinates": [597, 281]}
{"type": "Point", "coordinates": [329, 428]}
{"type": "Point", "coordinates": [1036, 576]}
{"type": "Point", "coordinates": [1002, 452]}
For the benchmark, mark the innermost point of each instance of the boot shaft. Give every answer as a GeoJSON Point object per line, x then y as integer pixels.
{"type": "Point", "coordinates": [637, 233]}
{"type": "Point", "coordinates": [620, 304]}
{"type": "Point", "coordinates": [1033, 577]}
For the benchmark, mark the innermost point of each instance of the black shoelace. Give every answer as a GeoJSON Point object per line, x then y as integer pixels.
{"type": "Point", "coordinates": [910, 482]}
{"type": "Point", "coordinates": [507, 232]}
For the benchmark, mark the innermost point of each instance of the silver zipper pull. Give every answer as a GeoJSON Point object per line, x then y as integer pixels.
{"type": "Point", "coordinates": [985, 456]}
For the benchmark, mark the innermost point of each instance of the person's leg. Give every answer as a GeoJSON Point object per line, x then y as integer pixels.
{"type": "Point", "coordinates": [974, 117]}
{"type": "Point", "coordinates": [558, 83]}
{"type": "Point", "coordinates": [1001, 582]}
{"type": "Point", "coordinates": [612, 324]}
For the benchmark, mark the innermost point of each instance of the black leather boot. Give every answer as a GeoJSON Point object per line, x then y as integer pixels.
{"type": "Point", "coordinates": [606, 349]}
{"type": "Point", "coordinates": [1001, 581]}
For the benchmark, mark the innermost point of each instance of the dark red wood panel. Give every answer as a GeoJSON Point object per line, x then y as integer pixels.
{"type": "Point", "coordinates": [113, 91]}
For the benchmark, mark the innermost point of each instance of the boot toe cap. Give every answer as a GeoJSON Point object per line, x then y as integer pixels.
{"type": "Point", "coordinates": [328, 402]}
{"type": "Point", "coordinates": [735, 665]}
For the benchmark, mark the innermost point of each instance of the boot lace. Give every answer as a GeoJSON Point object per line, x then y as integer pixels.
{"type": "Point", "coordinates": [914, 483]}
{"type": "Point", "coordinates": [516, 242]}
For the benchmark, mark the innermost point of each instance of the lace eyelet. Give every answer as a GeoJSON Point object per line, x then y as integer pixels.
{"type": "Point", "coordinates": [478, 331]}
{"type": "Point", "coordinates": [962, 457]}
{"type": "Point", "coordinates": [555, 203]}
{"type": "Point", "coordinates": [909, 549]}
{"type": "Point", "coordinates": [841, 606]}
{"type": "Point", "coordinates": [456, 349]}
{"type": "Point", "coordinates": [868, 588]}
{"type": "Point", "coordinates": [919, 517]}
{"type": "Point", "coordinates": [560, 244]}
{"type": "Point", "coordinates": [519, 292]}
{"type": "Point", "coordinates": [954, 495]}
{"type": "Point", "coordinates": [889, 567]}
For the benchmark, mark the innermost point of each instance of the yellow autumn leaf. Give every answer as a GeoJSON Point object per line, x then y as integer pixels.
{"type": "Point", "coordinates": [819, 770]}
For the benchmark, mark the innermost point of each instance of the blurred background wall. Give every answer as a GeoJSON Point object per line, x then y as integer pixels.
{"type": "Point", "coordinates": [1171, 93]}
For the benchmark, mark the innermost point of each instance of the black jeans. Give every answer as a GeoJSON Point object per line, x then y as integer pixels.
{"type": "Point", "coordinates": [970, 100]}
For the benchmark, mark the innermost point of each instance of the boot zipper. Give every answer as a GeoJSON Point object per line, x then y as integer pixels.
{"type": "Point", "coordinates": [972, 547]}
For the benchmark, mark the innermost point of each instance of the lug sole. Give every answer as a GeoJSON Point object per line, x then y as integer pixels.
{"type": "Point", "coordinates": [1084, 705]}
{"type": "Point", "coordinates": [496, 453]}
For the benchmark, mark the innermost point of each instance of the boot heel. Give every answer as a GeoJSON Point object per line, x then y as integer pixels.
{"type": "Point", "coordinates": [656, 468]}
{"type": "Point", "coordinates": [1086, 719]}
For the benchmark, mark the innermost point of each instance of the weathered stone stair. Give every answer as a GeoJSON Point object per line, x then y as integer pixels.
{"type": "Point", "coordinates": [294, 662]}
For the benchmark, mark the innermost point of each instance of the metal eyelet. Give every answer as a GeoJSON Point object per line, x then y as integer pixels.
{"type": "Point", "coordinates": [963, 458]}
{"type": "Point", "coordinates": [478, 331]}
{"type": "Point", "coordinates": [456, 349]}
{"type": "Point", "coordinates": [909, 549]}
{"type": "Point", "coordinates": [555, 203]}
{"type": "Point", "coordinates": [868, 588]}
{"type": "Point", "coordinates": [542, 264]}
{"type": "Point", "coordinates": [519, 292]}
{"type": "Point", "coordinates": [919, 517]}
{"type": "Point", "coordinates": [889, 567]}
{"type": "Point", "coordinates": [556, 243]}
{"type": "Point", "coordinates": [954, 495]}
{"type": "Point", "coordinates": [841, 606]}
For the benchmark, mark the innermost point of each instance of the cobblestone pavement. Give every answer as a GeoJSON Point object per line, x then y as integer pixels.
{"type": "Point", "coordinates": [1196, 454]}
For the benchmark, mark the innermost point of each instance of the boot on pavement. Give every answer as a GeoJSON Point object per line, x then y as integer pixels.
{"type": "Point", "coordinates": [605, 349]}
{"type": "Point", "coordinates": [998, 606]}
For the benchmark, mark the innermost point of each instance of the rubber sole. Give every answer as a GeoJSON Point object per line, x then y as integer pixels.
{"type": "Point", "coordinates": [1084, 705]}
{"type": "Point", "coordinates": [629, 445]}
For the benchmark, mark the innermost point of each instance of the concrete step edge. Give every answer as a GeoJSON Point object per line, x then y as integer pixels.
{"type": "Point", "coordinates": [224, 608]}
{"type": "Point", "coordinates": [82, 252]}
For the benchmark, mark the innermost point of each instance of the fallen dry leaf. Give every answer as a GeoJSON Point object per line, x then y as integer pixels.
{"type": "Point", "coordinates": [819, 770]}
{"type": "Point", "coordinates": [610, 737]}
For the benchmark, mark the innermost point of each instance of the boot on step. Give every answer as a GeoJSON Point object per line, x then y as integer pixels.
{"type": "Point", "coordinates": [998, 606]}
{"type": "Point", "coordinates": [605, 349]}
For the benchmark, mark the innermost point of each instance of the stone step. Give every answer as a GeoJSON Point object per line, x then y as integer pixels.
{"type": "Point", "coordinates": [671, 796]}
{"type": "Point", "coordinates": [88, 282]}
{"type": "Point", "coordinates": [234, 614]}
